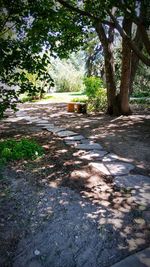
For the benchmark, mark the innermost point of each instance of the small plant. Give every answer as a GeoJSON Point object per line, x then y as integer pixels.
{"type": "Point", "coordinates": [23, 149]}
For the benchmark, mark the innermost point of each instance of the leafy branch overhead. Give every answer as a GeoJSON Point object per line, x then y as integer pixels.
{"type": "Point", "coordinates": [98, 11]}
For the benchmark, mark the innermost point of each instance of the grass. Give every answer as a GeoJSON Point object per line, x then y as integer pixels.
{"type": "Point", "coordinates": [57, 97]}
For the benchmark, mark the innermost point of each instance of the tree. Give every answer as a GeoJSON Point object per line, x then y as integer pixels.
{"type": "Point", "coordinates": [60, 27]}
{"type": "Point", "coordinates": [20, 53]}
{"type": "Point", "coordinates": [103, 16]}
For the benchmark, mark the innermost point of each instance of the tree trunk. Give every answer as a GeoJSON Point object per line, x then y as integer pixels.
{"type": "Point", "coordinates": [135, 60]}
{"type": "Point", "coordinates": [126, 70]}
{"type": "Point", "coordinates": [109, 70]}
{"type": "Point", "coordinates": [139, 42]}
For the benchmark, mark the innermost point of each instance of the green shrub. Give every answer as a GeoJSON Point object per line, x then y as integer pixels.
{"type": "Point", "coordinates": [23, 149]}
{"type": "Point", "coordinates": [141, 93]}
{"type": "Point", "coordinates": [96, 94]}
{"type": "Point", "coordinates": [99, 102]}
{"type": "Point", "coordinates": [92, 85]}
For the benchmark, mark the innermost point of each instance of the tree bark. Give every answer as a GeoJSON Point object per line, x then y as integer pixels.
{"type": "Point", "coordinates": [135, 60]}
{"type": "Point", "coordinates": [126, 70]}
{"type": "Point", "coordinates": [109, 69]}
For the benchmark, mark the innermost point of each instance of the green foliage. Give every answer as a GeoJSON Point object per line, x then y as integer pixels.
{"type": "Point", "coordinates": [68, 74]}
{"type": "Point", "coordinates": [8, 99]}
{"type": "Point", "coordinates": [140, 93]}
{"type": "Point", "coordinates": [141, 83]}
{"type": "Point", "coordinates": [96, 94]}
{"type": "Point", "coordinates": [142, 101]}
{"type": "Point", "coordinates": [22, 149]}
{"type": "Point", "coordinates": [92, 85]}
{"type": "Point", "coordinates": [99, 101]}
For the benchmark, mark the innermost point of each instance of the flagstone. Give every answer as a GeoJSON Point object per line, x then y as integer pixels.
{"type": "Point", "coordinates": [132, 181]}
{"type": "Point", "coordinates": [100, 167]}
{"type": "Point", "coordinates": [139, 185]}
{"type": "Point", "coordinates": [89, 146]}
{"type": "Point", "coordinates": [48, 126]}
{"type": "Point", "coordinates": [119, 168]}
{"type": "Point", "coordinates": [95, 154]}
{"type": "Point", "coordinates": [74, 138]}
{"type": "Point", "coordinates": [54, 129]}
{"type": "Point", "coordinates": [110, 157]}
{"type": "Point", "coordinates": [73, 143]}
{"type": "Point", "coordinates": [66, 133]}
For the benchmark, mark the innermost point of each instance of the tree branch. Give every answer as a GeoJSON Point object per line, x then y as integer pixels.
{"type": "Point", "coordinates": [4, 23]}
{"type": "Point", "coordinates": [84, 13]}
{"type": "Point", "coordinates": [139, 21]}
{"type": "Point", "coordinates": [123, 34]}
{"type": "Point", "coordinates": [9, 28]}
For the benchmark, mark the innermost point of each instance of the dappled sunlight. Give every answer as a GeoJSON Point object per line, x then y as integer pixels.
{"type": "Point", "coordinates": [66, 213]}
{"type": "Point", "coordinates": [80, 211]}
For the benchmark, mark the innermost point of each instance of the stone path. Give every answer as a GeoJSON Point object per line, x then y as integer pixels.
{"type": "Point", "coordinates": [99, 159]}
{"type": "Point", "coordinates": [74, 217]}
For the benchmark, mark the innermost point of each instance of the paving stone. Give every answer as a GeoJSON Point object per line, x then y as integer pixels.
{"type": "Point", "coordinates": [95, 154]}
{"type": "Point", "coordinates": [48, 126]}
{"type": "Point", "coordinates": [74, 138]}
{"type": "Point", "coordinates": [27, 118]}
{"type": "Point", "coordinates": [14, 119]}
{"type": "Point", "coordinates": [110, 157]}
{"type": "Point", "coordinates": [140, 186]}
{"type": "Point", "coordinates": [99, 167]}
{"type": "Point", "coordinates": [132, 181]}
{"type": "Point", "coordinates": [89, 146]}
{"type": "Point", "coordinates": [73, 143]}
{"type": "Point", "coordinates": [42, 122]}
{"type": "Point", "coordinates": [20, 113]}
{"type": "Point", "coordinates": [66, 133]}
{"type": "Point", "coordinates": [141, 196]}
{"type": "Point", "coordinates": [54, 129]}
{"type": "Point", "coordinates": [140, 259]}
{"type": "Point", "coordinates": [119, 168]}
{"type": "Point", "coordinates": [86, 141]}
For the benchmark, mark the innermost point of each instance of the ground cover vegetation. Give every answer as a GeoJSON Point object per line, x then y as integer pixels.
{"type": "Point", "coordinates": [32, 32]}
{"type": "Point", "coordinates": [12, 149]}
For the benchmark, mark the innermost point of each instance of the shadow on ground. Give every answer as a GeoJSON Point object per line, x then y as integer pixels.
{"type": "Point", "coordinates": [55, 211]}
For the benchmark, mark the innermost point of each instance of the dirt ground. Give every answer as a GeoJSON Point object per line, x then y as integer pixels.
{"type": "Point", "coordinates": [56, 211]}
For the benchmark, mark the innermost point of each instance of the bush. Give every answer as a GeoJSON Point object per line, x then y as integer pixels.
{"type": "Point", "coordinates": [99, 102]}
{"type": "Point", "coordinates": [92, 85]}
{"type": "Point", "coordinates": [96, 94]}
{"type": "Point", "coordinates": [24, 149]}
